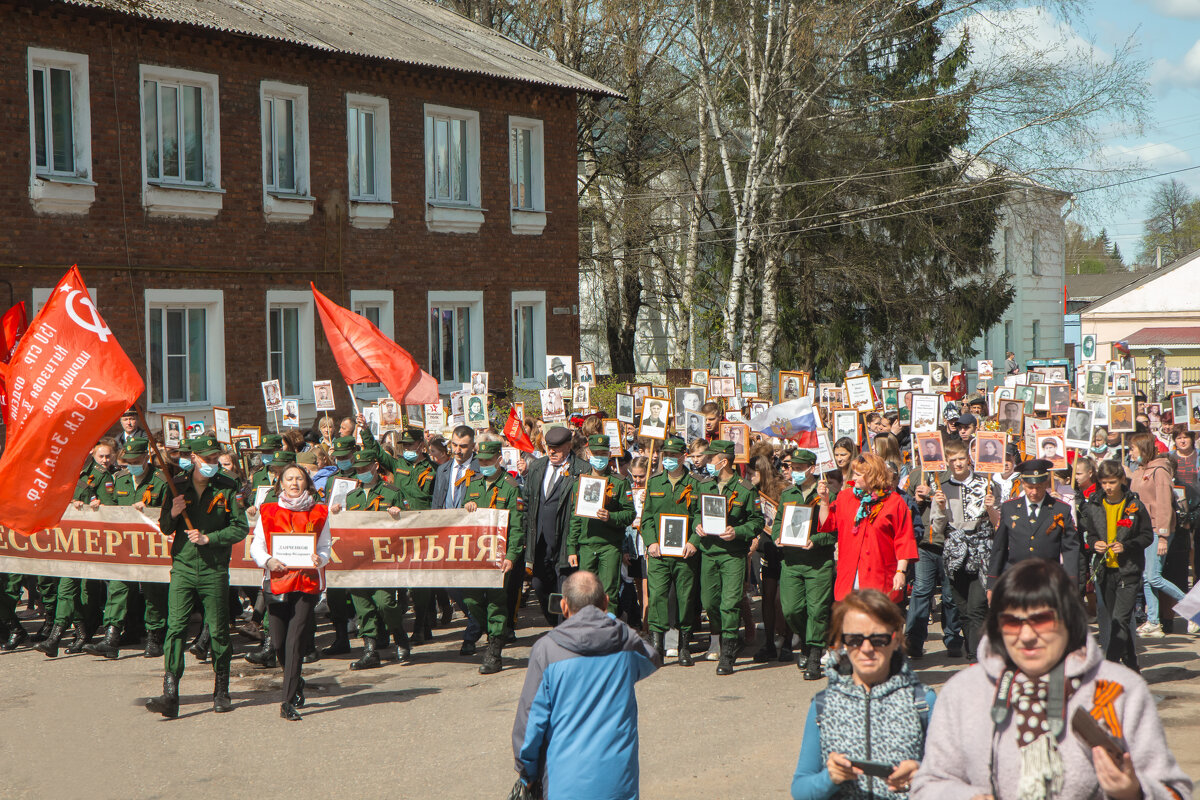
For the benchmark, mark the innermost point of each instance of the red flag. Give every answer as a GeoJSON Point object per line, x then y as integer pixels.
{"type": "Point", "coordinates": [69, 382]}
{"type": "Point", "coordinates": [365, 355]}
{"type": "Point", "coordinates": [12, 328]}
{"type": "Point", "coordinates": [514, 431]}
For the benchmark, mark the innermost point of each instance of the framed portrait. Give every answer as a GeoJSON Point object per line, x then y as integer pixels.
{"type": "Point", "coordinates": [510, 458]}
{"type": "Point", "coordinates": [758, 407]}
{"type": "Point", "coordinates": [700, 377]}
{"type": "Point", "coordinates": [519, 407]}
{"type": "Point", "coordinates": [845, 425]}
{"type": "Point", "coordinates": [909, 370]}
{"type": "Point", "coordinates": [748, 383]}
{"type": "Point", "coordinates": [1174, 379]}
{"type": "Point", "coordinates": [1011, 416]}
{"type": "Point", "coordinates": [415, 416]}
{"type": "Point", "coordinates": [1179, 409]}
{"type": "Point", "coordinates": [242, 444]}
{"type": "Point", "coordinates": [1193, 408]}
{"type": "Point", "coordinates": [1050, 446]}
{"type": "Point", "coordinates": [924, 413]}
{"type": "Point", "coordinates": [660, 391]}
{"type": "Point", "coordinates": [860, 395]}
{"type": "Point", "coordinates": [553, 409]}
{"type": "Point", "coordinates": [590, 497]}
{"type": "Point", "coordinates": [792, 386]}
{"type": "Point", "coordinates": [1122, 383]}
{"type": "Point", "coordinates": [931, 452]}
{"type": "Point", "coordinates": [174, 428]}
{"type": "Point", "coordinates": [580, 397]}
{"type": "Point", "coordinates": [479, 383]}
{"type": "Point", "coordinates": [796, 525]}
{"type": "Point", "coordinates": [221, 427]}
{"type": "Point", "coordinates": [688, 398]}
{"type": "Point", "coordinates": [712, 514]}
{"type": "Point", "coordinates": [1027, 394]}
{"type": "Point", "coordinates": [585, 373]}
{"type": "Point", "coordinates": [195, 428]}
{"type": "Point", "coordinates": [323, 396]}
{"type": "Point", "coordinates": [739, 434]}
{"type": "Point", "coordinates": [1154, 414]}
{"type": "Point", "coordinates": [558, 372]}
{"type": "Point", "coordinates": [640, 392]}
{"type": "Point", "coordinates": [1087, 346]}
{"type": "Point", "coordinates": [1034, 377]}
{"type": "Point", "coordinates": [389, 415]}
{"type": "Point", "coordinates": [891, 399]}
{"type": "Point", "coordinates": [456, 404]}
{"type": "Point", "coordinates": [1041, 397]}
{"type": "Point", "coordinates": [672, 534]}
{"type": "Point", "coordinates": [1097, 378]}
{"type": "Point", "coordinates": [612, 429]}
{"type": "Point", "coordinates": [904, 406]}
{"type": "Point", "coordinates": [272, 395]}
{"type": "Point", "coordinates": [291, 413]}
{"type": "Point", "coordinates": [435, 416]}
{"type": "Point", "coordinates": [727, 369]}
{"type": "Point", "coordinates": [989, 451]}
{"type": "Point", "coordinates": [1099, 409]}
{"type": "Point", "coordinates": [984, 369]}
{"type": "Point", "coordinates": [917, 383]}
{"type": "Point", "coordinates": [1078, 431]}
{"type": "Point", "coordinates": [939, 376]}
{"type": "Point", "coordinates": [1120, 414]}
{"type": "Point", "coordinates": [693, 426]}
{"type": "Point", "coordinates": [251, 431]}
{"type": "Point", "coordinates": [655, 419]}
{"type": "Point", "coordinates": [721, 387]}
{"type": "Point", "coordinates": [733, 415]}
{"type": "Point", "coordinates": [1060, 397]}
{"type": "Point", "coordinates": [625, 408]}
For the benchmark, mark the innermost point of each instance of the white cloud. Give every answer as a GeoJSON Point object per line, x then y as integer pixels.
{"type": "Point", "coordinates": [1032, 33]}
{"type": "Point", "coordinates": [1185, 73]}
{"type": "Point", "coordinates": [1176, 9]}
{"type": "Point", "coordinates": [1154, 156]}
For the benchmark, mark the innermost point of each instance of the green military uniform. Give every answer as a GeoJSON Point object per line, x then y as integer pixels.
{"type": "Point", "coordinates": [269, 444]}
{"type": "Point", "coordinates": [667, 496]}
{"type": "Point", "coordinates": [489, 607]}
{"type": "Point", "coordinates": [596, 542]}
{"type": "Point", "coordinates": [413, 481]}
{"type": "Point", "coordinates": [339, 600]}
{"type": "Point", "coordinates": [806, 575]}
{"type": "Point", "coordinates": [342, 452]}
{"type": "Point", "coordinates": [74, 594]}
{"type": "Point", "coordinates": [11, 629]}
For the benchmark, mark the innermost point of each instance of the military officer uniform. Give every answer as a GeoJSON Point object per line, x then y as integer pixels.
{"type": "Point", "coordinates": [268, 446]}
{"type": "Point", "coordinates": [489, 607]}
{"type": "Point", "coordinates": [1034, 530]}
{"type": "Point", "coordinates": [200, 573]}
{"type": "Point", "coordinates": [597, 543]}
{"type": "Point", "coordinates": [342, 452]}
{"type": "Point", "coordinates": [665, 495]}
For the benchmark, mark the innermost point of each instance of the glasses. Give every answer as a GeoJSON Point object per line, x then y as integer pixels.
{"type": "Point", "coordinates": [877, 640]}
{"type": "Point", "coordinates": [1040, 622]}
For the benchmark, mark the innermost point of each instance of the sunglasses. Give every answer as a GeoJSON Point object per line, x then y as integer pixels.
{"type": "Point", "coordinates": [1040, 622]}
{"type": "Point", "coordinates": [877, 640]}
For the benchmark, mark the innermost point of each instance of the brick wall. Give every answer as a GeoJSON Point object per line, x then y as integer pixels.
{"type": "Point", "coordinates": [122, 251]}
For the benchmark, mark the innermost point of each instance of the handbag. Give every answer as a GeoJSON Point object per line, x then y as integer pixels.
{"type": "Point", "coordinates": [524, 791]}
{"type": "Point", "coordinates": [269, 596]}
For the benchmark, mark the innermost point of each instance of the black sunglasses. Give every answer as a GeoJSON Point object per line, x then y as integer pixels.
{"type": "Point", "coordinates": [877, 640]}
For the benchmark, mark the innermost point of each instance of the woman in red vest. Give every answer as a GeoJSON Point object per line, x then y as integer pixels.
{"type": "Point", "coordinates": [294, 530]}
{"type": "Point", "coordinates": [874, 529]}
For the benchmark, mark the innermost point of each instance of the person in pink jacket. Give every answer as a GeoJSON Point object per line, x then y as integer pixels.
{"type": "Point", "coordinates": [1001, 729]}
{"type": "Point", "coordinates": [1152, 481]}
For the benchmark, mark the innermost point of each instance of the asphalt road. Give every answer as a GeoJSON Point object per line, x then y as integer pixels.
{"type": "Point", "coordinates": [74, 727]}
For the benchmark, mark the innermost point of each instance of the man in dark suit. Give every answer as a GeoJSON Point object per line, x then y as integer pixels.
{"type": "Point", "coordinates": [129, 429]}
{"type": "Point", "coordinates": [449, 488]}
{"type": "Point", "coordinates": [547, 495]}
{"type": "Point", "coordinates": [1034, 526]}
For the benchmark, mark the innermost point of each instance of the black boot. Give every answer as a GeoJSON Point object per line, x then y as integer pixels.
{"type": "Point", "coordinates": [298, 699]}
{"type": "Point", "coordinates": [44, 631]}
{"type": "Point", "coordinates": [468, 648]}
{"type": "Point", "coordinates": [385, 638]}
{"type": "Point", "coordinates": [201, 646]}
{"type": "Point", "coordinates": [491, 659]}
{"type": "Point", "coordinates": [167, 703]}
{"type": "Point", "coordinates": [289, 712]}
{"type": "Point", "coordinates": [728, 656]}
{"type": "Point", "coordinates": [221, 701]}
{"type": "Point", "coordinates": [685, 652]}
{"type": "Point", "coordinates": [154, 644]}
{"type": "Point", "coordinates": [341, 640]}
{"type": "Point", "coordinates": [370, 657]}
{"type": "Point", "coordinates": [801, 658]}
{"type": "Point", "coordinates": [16, 637]}
{"type": "Point", "coordinates": [263, 657]}
{"type": "Point", "coordinates": [812, 671]}
{"type": "Point", "coordinates": [658, 643]}
{"type": "Point", "coordinates": [785, 653]}
{"type": "Point", "coordinates": [82, 637]}
{"type": "Point", "coordinates": [403, 647]}
{"type": "Point", "coordinates": [767, 652]}
{"type": "Point", "coordinates": [312, 657]}
{"type": "Point", "coordinates": [109, 646]}
{"type": "Point", "coordinates": [49, 645]}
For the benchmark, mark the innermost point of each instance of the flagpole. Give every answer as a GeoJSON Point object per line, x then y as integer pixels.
{"type": "Point", "coordinates": [353, 399]}
{"type": "Point", "coordinates": [161, 464]}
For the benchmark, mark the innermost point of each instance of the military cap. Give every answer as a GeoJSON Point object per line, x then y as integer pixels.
{"type": "Point", "coordinates": [410, 435]}
{"type": "Point", "coordinates": [802, 458]}
{"type": "Point", "coordinates": [558, 436]}
{"type": "Point", "coordinates": [598, 441]}
{"type": "Point", "coordinates": [364, 458]}
{"type": "Point", "coordinates": [308, 457]}
{"type": "Point", "coordinates": [135, 449]}
{"type": "Point", "coordinates": [720, 447]}
{"type": "Point", "coordinates": [674, 444]}
{"type": "Point", "coordinates": [270, 443]}
{"type": "Point", "coordinates": [1035, 470]}
{"type": "Point", "coordinates": [205, 445]}
{"type": "Point", "coordinates": [185, 447]}
{"type": "Point", "coordinates": [489, 449]}
{"type": "Point", "coordinates": [130, 412]}
{"type": "Point", "coordinates": [342, 446]}
{"type": "Point", "coordinates": [283, 458]}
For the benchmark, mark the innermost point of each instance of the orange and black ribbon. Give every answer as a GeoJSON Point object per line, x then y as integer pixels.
{"type": "Point", "coordinates": [1103, 709]}
{"type": "Point", "coordinates": [685, 496]}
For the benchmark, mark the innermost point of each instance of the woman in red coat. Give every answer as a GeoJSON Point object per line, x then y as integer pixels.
{"type": "Point", "coordinates": [874, 529]}
{"type": "Point", "coordinates": [292, 591]}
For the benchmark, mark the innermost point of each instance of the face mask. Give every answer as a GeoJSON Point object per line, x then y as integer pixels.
{"type": "Point", "coordinates": [711, 469]}
{"type": "Point", "coordinates": [598, 462]}
{"type": "Point", "coordinates": [266, 460]}
{"type": "Point", "coordinates": [629, 438]}
{"type": "Point", "coordinates": [798, 477]}
{"type": "Point", "coordinates": [488, 471]}
{"type": "Point", "coordinates": [208, 470]}
{"type": "Point", "coordinates": [366, 477]}
{"type": "Point", "coordinates": [670, 464]}
{"type": "Point", "coordinates": [344, 464]}
{"type": "Point", "coordinates": [185, 463]}
{"type": "Point", "coordinates": [410, 455]}
{"type": "Point", "coordinates": [691, 462]}
{"type": "Point", "coordinates": [135, 469]}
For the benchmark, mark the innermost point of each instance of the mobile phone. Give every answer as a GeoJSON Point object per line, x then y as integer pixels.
{"type": "Point", "coordinates": [1087, 729]}
{"type": "Point", "coordinates": [876, 769]}
{"type": "Point", "coordinates": [555, 603]}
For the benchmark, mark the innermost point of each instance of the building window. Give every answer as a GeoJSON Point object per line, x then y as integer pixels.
{"type": "Point", "coordinates": [60, 136]}
{"type": "Point", "coordinates": [291, 350]}
{"type": "Point", "coordinates": [1008, 347]}
{"type": "Point", "coordinates": [181, 149]}
{"type": "Point", "coordinates": [186, 347]}
{"type": "Point", "coordinates": [526, 176]}
{"type": "Point", "coordinates": [285, 152]}
{"type": "Point", "coordinates": [377, 307]}
{"type": "Point", "coordinates": [370, 161]}
{"type": "Point", "coordinates": [529, 339]}
{"type": "Point", "coordinates": [1037, 331]}
{"type": "Point", "coordinates": [455, 337]}
{"type": "Point", "coordinates": [1034, 256]}
{"type": "Point", "coordinates": [452, 188]}
{"type": "Point", "coordinates": [1008, 253]}
{"type": "Point", "coordinates": [987, 342]}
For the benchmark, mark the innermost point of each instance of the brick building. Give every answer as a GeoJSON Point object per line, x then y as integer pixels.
{"type": "Point", "coordinates": [202, 164]}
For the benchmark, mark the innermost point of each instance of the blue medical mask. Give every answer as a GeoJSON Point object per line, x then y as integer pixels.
{"type": "Point", "coordinates": [135, 469]}
{"type": "Point", "coordinates": [798, 476]}
{"type": "Point", "coordinates": [185, 463]}
{"type": "Point", "coordinates": [366, 477]}
{"type": "Point", "coordinates": [487, 471]}
{"type": "Point", "coordinates": [344, 464]}
{"type": "Point", "coordinates": [266, 460]}
{"type": "Point", "coordinates": [670, 464]}
{"type": "Point", "coordinates": [598, 462]}
{"type": "Point", "coordinates": [411, 456]}
{"type": "Point", "coordinates": [691, 462]}
{"type": "Point", "coordinates": [208, 470]}
{"type": "Point", "coordinates": [711, 469]}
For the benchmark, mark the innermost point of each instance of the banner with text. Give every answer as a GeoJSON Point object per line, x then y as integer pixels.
{"type": "Point", "coordinates": [456, 548]}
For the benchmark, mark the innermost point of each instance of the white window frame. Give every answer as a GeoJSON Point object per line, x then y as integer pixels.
{"type": "Point", "coordinates": [385, 300]}
{"type": "Point", "coordinates": [173, 199]}
{"type": "Point", "coordinates": [475, 301]}
{"type": "Point", "coordinates": [302, 300]}
{"type": "Point", "coordinates": [52, 192]}
{"type": "Point", "coordinates": [287, 205]}
{"type": "Point", "coordinates": [372, 211]}
{"type": "Point", "coordinates": [213, 300]}
{"type": "Point", "coordinates": [443, 216]}
{"type": "Point", "coordinates": [538, 301]}
{"type": "Point", "coordinates": [529, 221]}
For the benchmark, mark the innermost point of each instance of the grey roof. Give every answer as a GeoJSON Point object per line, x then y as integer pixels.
{"type": "Point", "coordinates": [1094, 286]}
{"type": "Point", "coordinates": [406, 31]}
{"type": "Point", "coordinates": [1139, 279]}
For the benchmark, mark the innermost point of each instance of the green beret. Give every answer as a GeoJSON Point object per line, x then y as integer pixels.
{"type": "Point", "coordinates": [674, 444]}
{"type": "Point", "coordinates": [489, 449]}
{"type": "Point", "coordinates": [598, 441]}
{"type": "Point", "coordinates": [364, 458]}
{"type": "Point", "coordinates": [720, 447]}
{"type": "Point", "coordinates": [342, 446]}
{"type": "Point", "coordinates": [410, 435]}
{"type": "Point", "coordinates": [206, 445]}
{"type": "Point", "coordinates": [135, 449]}
{"type": "Point", "coordinates": [803, 458]}
{"type": "Point", "coordinates": [270, 443]}
{"type": "Point", "coordinates": [283, 457]}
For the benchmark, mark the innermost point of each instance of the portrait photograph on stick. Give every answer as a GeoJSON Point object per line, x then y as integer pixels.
{"type": "Point", "coordinates": [1078, 432]}
{"type": "Point", "coordinates": [1120, 415]}
{"type": "Point", "coordinates": [558, 372]}
{"type": "Point", "coordinates": [272, 395]}
{"type": "Point", "coordinates": [924, 413]}
{"type": "Point", "coordinates": [989, 451]}
{"type": "Point", "coordinates": [796, 525]}
{"type": "Point", "coordinates": [1050, 446]}
{"type": "Point", "coordinates": [625, 408]}
{"type": "Point", "coordinates": [1193, 408]}
{"type": "Point", "coordinates": [688, 398]}
{"type": "Point", "coordinates": [939, 376]}
{"type": "Point", "coordinates": [700, 377]}
{"type": "Point", "coordinates": [931, 452]}
{"type": "Point", "coordinates": [590, 498]}
{"type": "Point", "coordinates": [672, 534]}
{"type": "Point", "coordinates": [655, 418]}
{"type": "Point", "coordinates": [739, 434]}
{"type": "Point", "coordinates": [323, 396]}
{"type": "Point", "coordinates": [585, 373]}
{"type": "Point", "coordinates": [792, 385]}
{"type": "Point", "coordinates": [712, 514]}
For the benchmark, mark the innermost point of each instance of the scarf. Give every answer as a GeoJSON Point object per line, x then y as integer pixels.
{"type": "Point", "coordinates": [866, 501]}
{"type": "Point", "coordinates": [302, 503]}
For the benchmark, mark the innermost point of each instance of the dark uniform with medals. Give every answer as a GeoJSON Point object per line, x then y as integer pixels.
{"type": "Point", "coordinates": [598, 543]}
{"type": "Point", "coordinates": [1044, 529]}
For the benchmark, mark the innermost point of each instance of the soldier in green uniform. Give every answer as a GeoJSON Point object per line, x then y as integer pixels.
{"type": "Point", "coordinates": [96, 487]}
{"type": "Point", "coordinates": [412, 476]}
{"type": "Point", "coordinates": [723, 553]}
{"type": "Point", "coordinates": [342, 452]}
{"type": "Point", "coordinates": [268, 447]}
{"type": "Point", "coordinates": [200, 568]}
{"type": "Point", "coordinates": [11, 630]}
{"type": "Point", "coordinates": [139, 485]}
{"type": "Point", "coordinates": [806, 575]}
{"type": "Point", "coordinates": [672, 491]}
{"type": "Point", "coordinates": [374, 605]}
{"type": "Point", "coordinates": [494, 488]}
{"type": "Point", "coordinates": [595, 544]}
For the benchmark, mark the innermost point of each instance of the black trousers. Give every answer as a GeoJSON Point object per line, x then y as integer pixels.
{"type": "Point", "coordinates": [545, 581]}
{"type": "Point", "coordinates": [1120, 595]}
{"type": "Point", "coordinates": [290, 620]}
{"type": "Point", "coordinates": [970, 598]}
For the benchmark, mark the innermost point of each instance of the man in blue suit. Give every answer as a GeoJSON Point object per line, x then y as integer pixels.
{"type": "Point", "coordinates": [449, 485]}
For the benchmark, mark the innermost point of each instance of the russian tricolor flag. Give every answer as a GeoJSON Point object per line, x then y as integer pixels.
{"type": "Point", "coordinates": [793, 420]}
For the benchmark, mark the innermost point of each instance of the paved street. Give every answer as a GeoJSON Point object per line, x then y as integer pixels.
{"type": "Point", "coordinates": [75, 728]}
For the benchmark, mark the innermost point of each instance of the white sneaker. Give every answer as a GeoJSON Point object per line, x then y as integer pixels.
{"type": "Point", "coordinates": [1193, 627]}
{"type": "Point", "coordinates": [1151, 631]}
{"type": "Point", "coordinates": [1145, 626]}
{"type": "Point", "coordinates": [672, 652]}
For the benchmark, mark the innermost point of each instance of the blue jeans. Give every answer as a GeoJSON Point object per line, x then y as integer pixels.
{"type": "Point", "coordinates": [1152, 579]}
{"type": "Point", "coordinates": [931, 572]}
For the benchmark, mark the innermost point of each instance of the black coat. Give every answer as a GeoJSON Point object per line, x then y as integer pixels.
{"type": "Point", "coordinates": [531, 493]}
{"type": "Point", "coordinates": [1093, 522]}
{"type": "Point", "coordinates": [1053, 537]}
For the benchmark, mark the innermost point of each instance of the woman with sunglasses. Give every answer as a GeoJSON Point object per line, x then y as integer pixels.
{"type": "Point", "coordinates": [865, 732]}
{"type": "Point", "coordinates": [1003, 728]}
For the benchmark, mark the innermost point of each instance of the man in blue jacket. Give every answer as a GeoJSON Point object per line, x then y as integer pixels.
{"type": "Point", "coordinates": [576, 727]}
